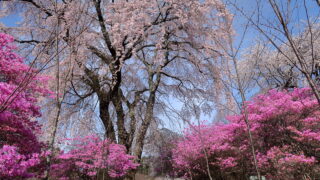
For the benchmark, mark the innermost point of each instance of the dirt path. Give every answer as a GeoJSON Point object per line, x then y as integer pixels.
{"type": "Point", "coordinates": [145, 177]}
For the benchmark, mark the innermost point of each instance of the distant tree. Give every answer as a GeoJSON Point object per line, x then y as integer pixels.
{"type": "Point", "coordinates": [159, 147]}
{"type": "Point", "coordinates": [273, 69]}
{"type": "Point", "coordinates": [291, 31]}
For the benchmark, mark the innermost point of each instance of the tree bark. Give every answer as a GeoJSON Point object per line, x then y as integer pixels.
{"type": "Point", "coordinates": [105, 118]}
{"type": "Point", "coordinates": [144, 126]}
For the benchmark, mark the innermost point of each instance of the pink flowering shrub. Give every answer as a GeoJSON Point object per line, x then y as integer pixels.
{"type": "Point", "coordinates": [21, 154]}
{"type": "Point", "coordinates": [279, 163]}
{"type": "Point", "coordinates": [19, 89]}
{"type": "Point", "coordinates": [286, 134]}
{"type": "Point", "coordinates": [14, 165]}
{"type": "Point", "coordinates": [20, 86]}
{"type": "Point", "coordinates": [286, 122]}
{"type": "Point", "coordinates": [201, 143]}
{"type": "Point", "coordinates": [92, 157]}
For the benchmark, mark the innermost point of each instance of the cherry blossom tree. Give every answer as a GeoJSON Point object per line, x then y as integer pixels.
{"type": "Point", "coordinates": [126, 54]}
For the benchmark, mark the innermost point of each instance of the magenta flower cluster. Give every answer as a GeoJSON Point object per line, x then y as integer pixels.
{"type": "Point", "coordinates": [20, 86]}
{"type": "Point", "coordinates": [14, 165]}
{"type": "Point", "coordinates": [89, 155]}
{"type": "Point", "coordinates": [286, 133]}
{"type": "Point", "coordinates": [22, 155]}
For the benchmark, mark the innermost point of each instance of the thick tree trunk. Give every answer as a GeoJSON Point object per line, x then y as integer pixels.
{"type": "Point", "coordinates": [105, 118]}
{"type": "Point", "coordinates": [122, 133]}
{"type": "Point", "coordinates": [144, 126]}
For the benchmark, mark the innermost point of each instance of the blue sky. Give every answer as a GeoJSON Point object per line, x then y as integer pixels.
{"type": "Point", "coordinates": [10, 20]}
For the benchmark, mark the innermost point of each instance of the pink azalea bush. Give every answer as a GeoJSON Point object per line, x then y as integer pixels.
{"type": "Point", "coordinates": [286, 134]}
{"type": "Point", "coordinates": [198, 144]}
{"type": "Point", "coordinates": [20, 86]}
{"type": "Point", "coordinates": [280, 163]}
{"type": "Point", "coordinates": [19, 89]}
{"type": "Point", "coordinates": [91, 157]}
{"type": "Point", "coordinates": [14, 165]}
{"type": "Point", "coordinates": [21, 154]}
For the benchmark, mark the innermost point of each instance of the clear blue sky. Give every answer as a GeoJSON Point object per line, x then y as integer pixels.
{"type": "Point", "coordinates": [11, 20]}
